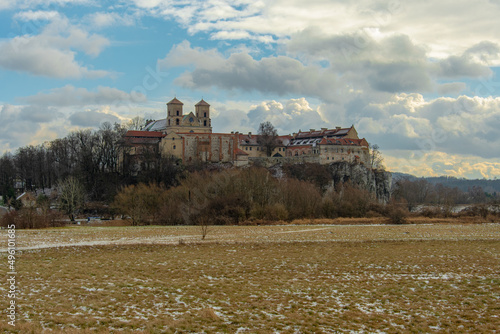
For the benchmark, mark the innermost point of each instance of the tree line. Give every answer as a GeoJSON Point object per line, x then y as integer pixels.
{"type": "Point", "coordinates": [84, 169]}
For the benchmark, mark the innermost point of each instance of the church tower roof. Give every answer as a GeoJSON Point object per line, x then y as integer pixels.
{"type": "Point", "coordinates": [202, 103]}
{"type": "Point", "coordinates": [175, 101]}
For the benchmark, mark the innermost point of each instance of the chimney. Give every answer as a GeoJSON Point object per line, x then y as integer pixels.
{"type": "Point", "coordinates": [337, 127]}
{"type": "Point", "coordinates": [324, 129]}
{"type": "Point", "coordinates": [312, 130]}
{"type": "Point", "coordinates": [250, 134]}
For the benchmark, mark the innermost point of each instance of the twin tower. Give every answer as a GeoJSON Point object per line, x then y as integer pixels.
{"type": "Point", "coordinates": [198, 122]}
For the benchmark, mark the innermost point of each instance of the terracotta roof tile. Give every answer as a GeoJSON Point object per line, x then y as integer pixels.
{"type": "Point", "coordinates": [144, 134]}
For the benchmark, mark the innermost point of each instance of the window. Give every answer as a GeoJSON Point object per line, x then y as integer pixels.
{"type": "Point", "coordinates": [177, 121]}
{"type": "Point", "coordinates": [204, 114]}
{"type": "Point", "coordinates": [174, 147]}
{"type": "Point", "coordinates": [177, 112]}
{"type": "Point", "coordinates": [204, 123]}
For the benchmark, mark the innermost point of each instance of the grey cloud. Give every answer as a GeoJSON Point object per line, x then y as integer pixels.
{"type": "Point", "coordinates": [399, 77]}
{"type": "Point", "coordinates": [451, 88]}
{"type": "Point", "coordinates": [92, 118]}
{"type": "Point", "coordinates": [464, 126]}
{"type": "Point", "coordinates": [11, 114]}
{"type": "Point", "coordinates": [461, 66]}
{"type": "Point", "coordinates": [278, 75]}
{"type": "Point", "coordinates": [485, 50]}
{"type": "Point", "coordinates": [391, 64]}
{"type": "Point", "coordinates": [14, 130]}
{"type": "Point", "coordinates": [72, 96]}
{"type": "Point", "coordinates": [39, 114]}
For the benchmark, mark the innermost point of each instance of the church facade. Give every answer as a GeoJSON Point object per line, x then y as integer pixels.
{"type": "Point", "coordinates": [189, 137]}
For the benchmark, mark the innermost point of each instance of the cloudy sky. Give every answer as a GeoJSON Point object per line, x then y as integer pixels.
{"type": "Point", "coordinates": [419, 78]}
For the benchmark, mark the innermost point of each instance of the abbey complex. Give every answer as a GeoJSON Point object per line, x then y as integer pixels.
{"type": "Point", "coordinates": [189, 136]}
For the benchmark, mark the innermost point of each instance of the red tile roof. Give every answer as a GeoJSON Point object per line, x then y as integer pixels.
{"type": "Point", "coordinates": [144, 134]}
{"type": "Point", "coordinates": [241, 152]}
{"type": "Point", "coordinates": [343, 141]}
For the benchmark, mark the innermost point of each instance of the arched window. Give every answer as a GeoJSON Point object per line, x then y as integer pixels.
{"type": "Point", "coordinates": [177, 121]}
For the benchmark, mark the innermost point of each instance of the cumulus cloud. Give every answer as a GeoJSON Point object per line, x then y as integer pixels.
{"type": "Point", "coordinates": [92, 118]}
{"type": "Point", "coordinates": [19, 124]}
{"type": "Point", "coordinates": [279, 75]}
{"type": "Point", "coordinates": [73, 96]}
{"type": "Point", "coordinates": [52, 53]}
{"type": "Point", "coordinates": [295, 114]}
{"type": "Point", "coordinates": [464, 125]}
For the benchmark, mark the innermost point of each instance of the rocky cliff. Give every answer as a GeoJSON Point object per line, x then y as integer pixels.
{"type": "Point", "coordinates": [375, 181]}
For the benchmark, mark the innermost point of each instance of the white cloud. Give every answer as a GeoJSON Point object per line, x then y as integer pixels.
{"type": "Point", "coordinates": [52, 52]}
{"type": "Point", "coordinates": [73, 96]}
{"type": "Point", "coordinates": [106, 19]}
{"type": "Point", "coordinates": [36, 15]}
{"type": "Point", "coordinates": [295, 114]}
{"type": "Point", "coordinates": [23, 4]}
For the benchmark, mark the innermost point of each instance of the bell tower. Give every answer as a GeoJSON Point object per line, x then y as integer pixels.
{"type": "Point", "coordinates": [174, 113]}
{"type": "Point", "coordinates": [202, 109]}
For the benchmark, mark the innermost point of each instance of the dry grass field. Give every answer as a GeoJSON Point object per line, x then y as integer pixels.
{"type": "Point", "coordinates": [258, 279]}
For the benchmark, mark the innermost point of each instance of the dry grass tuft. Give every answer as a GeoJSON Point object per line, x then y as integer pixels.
{"type": "Point", "coordinates": [209, 313]}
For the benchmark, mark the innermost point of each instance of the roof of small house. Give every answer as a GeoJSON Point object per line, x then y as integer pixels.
{"type": "Point", "coordinates": [241, 152]}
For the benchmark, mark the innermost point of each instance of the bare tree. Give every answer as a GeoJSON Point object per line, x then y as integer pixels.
{"type": "Point", "coordinates": [376, 159]}
{"type": "Point", "coordinates": [136, 123]}
{"type": "Point", "coordinates": [204, 222]}
{"type": "Point", "coordinates": [268, 137]}
{"type": "Point", "coordinates": [72, 196]}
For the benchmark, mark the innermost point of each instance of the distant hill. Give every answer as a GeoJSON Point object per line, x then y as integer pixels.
{"type": "Point", "coordinates": [489, 186]}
